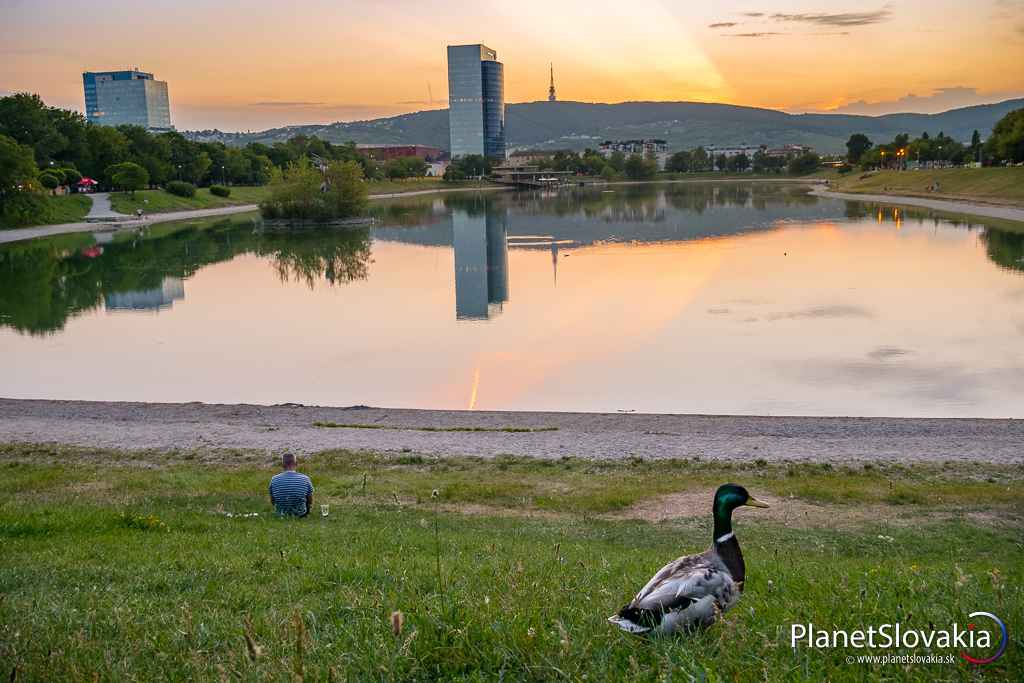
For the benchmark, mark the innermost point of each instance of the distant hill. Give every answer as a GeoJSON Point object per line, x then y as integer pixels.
{"type": "Point", "coordinates": [577, 125]}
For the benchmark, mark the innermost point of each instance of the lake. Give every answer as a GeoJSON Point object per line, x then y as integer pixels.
{"type": "Point", "coordinates": [723, 298]}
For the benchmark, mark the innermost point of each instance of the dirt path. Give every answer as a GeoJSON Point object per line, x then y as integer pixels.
{"type": "Point", "coordinates": [589, 435]}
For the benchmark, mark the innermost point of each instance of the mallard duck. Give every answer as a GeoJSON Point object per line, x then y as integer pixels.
{"type": "Point", "coordinates": [695, 589]}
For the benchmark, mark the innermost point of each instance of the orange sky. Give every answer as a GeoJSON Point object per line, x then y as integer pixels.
{"type": "Point", "coordinates": [241, 65]}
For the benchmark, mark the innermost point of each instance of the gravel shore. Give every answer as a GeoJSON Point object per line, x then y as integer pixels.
{"type": "Point", "coordinates": [166, 426]}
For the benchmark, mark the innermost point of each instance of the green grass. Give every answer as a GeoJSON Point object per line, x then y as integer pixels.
{"type": "Point", "coordinates": [70, 208]}
{"type": "Point", "coordinates": [123, 566]}
{"type": "Point", "coordinates": [160, 201]}
{"type": "Point", "coordinates": [335, 425]}
{"type": "Point", "coordinates": [987, 184]}
{"type": "Point", "coordinates": [418, 185]}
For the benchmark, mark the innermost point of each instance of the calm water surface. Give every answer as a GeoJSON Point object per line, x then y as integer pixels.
{"type": "Point", "coordinates": [747, 299]}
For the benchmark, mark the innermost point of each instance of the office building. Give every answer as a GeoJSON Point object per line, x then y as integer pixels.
{"type": "Point", "coordinates": [134, 97]}
{"type": "Point", "coordinates": [476, 101]}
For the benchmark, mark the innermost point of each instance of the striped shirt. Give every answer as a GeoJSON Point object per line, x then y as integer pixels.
{"type": "Point", "coordinates": [289, 489]}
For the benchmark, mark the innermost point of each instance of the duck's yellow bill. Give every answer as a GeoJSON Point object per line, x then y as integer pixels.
{"type": "Point", "coordinates": [755, 503]}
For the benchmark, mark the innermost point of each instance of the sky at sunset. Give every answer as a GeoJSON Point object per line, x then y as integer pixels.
{"type": "Point", "coordinates": [241, 65]}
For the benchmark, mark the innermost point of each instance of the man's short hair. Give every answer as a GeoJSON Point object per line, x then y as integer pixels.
{"type": "Point", "coordinates": [288, 459]}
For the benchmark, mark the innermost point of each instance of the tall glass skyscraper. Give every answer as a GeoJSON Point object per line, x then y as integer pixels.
{"type": "Point", "coordinates": [134, 97]}
{"type": "Point", "coordinates": [476, 101]}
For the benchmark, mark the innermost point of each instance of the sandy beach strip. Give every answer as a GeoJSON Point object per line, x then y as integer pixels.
{"type": "Point", "coordinates": [186, 426]}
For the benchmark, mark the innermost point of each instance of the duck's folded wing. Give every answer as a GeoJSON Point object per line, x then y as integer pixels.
{"type": "Point", "coordinates": [678, 584]}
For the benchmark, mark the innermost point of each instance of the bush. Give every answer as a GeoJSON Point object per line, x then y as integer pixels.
{"type": "Point", "coordinates": [220, 191]}
{"type": "Point", "coordinates": [71, 176]}
{"type": "Point", "coordinates": [49, 181]}
{"type": "Point", "coordinates": [23, 208]}
{"type": "Point", "coordinates": [181, 188]}
{"type": "Point", "coordinates": [845, 168]}
{"type": "Point", "coordinates": [297, 192]}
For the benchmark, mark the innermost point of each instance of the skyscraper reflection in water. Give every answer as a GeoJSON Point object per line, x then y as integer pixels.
{"type": "Point", "coordinates": [481, 263]}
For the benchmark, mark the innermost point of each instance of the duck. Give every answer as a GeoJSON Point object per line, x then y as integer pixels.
{"type": "Point", "coordinates": [694, 590]}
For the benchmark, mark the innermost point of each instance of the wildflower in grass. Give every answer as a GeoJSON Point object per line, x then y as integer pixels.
{"type": "Point", "coordinates": [252, 649]}
{"type": "Point", "coordinates": [397, 622]}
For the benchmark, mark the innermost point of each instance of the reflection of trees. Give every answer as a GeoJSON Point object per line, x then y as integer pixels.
{"type": "Point", "coordinates": [335, 256]}
{"type": "Point", "coordinates": [44, 283]}
{"type": "Point", "coordinates": [1006, 249]}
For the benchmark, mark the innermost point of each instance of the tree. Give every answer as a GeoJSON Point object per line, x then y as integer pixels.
{"type": "Point", "coordinates": [128, 176]}
{"type": "Point", "coordinates": [405, 167]}
{"type": "Point", "coordinates": [346, 190]}
{"type": "Point", "coordinates": [471, 166]}
{"type": "Point", "coordinates": [1007, 140]}
{"type": "Point", "coordinates": [49, 181]}
{"type": "Point", "coordinates": [617, 161]}
{"type": "Point", "coordinates": [302, 192]}
{"type": "Point", "coordinates": [678, 162]}
{"type": "Point", "coordinates": [856, 146]}
{"type": "Point", "coordinates": [740, 163]}
{"type": "Point", "coordinates": [638, 168]}
{"type": "Point", "coordinates": [699, 159]}
{"type": "Point", "coordinates": [721, 162]}
{"type": "Point", "coordinates": [26, 119]}
{"type": "Point", "coordinates": [20, 200]}
{"type": "Point", "coordinates": [107, 147]}
{"type": "Point", "coordinates": [17, 167]}
{"type": "Point", "coordinates": [804, 164]}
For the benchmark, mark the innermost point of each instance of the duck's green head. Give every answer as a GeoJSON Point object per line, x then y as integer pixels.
{"type": "Point", "coordinates": [728, 497]}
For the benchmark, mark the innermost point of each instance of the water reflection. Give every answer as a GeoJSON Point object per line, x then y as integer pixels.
{"type": "Point", "coordinates": [481, 263]}
{"type": "Point", "coordinates": [666, 298]}
{"type": "Point", "coordinates": [43, 283]}
{"type": "Point", "coordinates": [159, 298]}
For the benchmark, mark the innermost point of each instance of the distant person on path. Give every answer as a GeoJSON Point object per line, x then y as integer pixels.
{"type": "Point", "coordinates": [291, 493]}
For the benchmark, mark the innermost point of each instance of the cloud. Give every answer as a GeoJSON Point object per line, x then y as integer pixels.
{"type": "Point", "coordinates": [841, 20]}
{"type": "Point", "coordinates": [753, 15]}
{"type": "Point", "coordinates": [723, 24]}
{"type": "Point", "coordinates": [940, 100]}
{"type": "Point", "coordinates": [287, 104]}
{"type": "Point", "coordinates": [758, 34]}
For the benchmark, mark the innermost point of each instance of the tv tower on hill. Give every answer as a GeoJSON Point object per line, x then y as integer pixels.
{"type": "Point", "coordinates": [551, 88]}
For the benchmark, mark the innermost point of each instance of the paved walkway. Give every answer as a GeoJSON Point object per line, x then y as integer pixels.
{"type": "Point", "coordinates": [150, 219]}
{"type": "Point", "coordinates": [1009, 213]}
{"type": "Point", "coordinates": [101, 208]}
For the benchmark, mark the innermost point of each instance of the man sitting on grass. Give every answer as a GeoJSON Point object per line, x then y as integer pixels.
{"type": "Point", "coordinates": [291, 493]}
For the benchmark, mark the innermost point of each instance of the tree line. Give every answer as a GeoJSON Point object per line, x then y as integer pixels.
{"type": "Point", "coordinates": [1004, 146]}
{"type": "Point", "coordinates": [43, 148]}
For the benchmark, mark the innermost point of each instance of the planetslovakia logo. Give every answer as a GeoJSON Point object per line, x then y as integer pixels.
{"type": "Point", "coordinates": [887, 636]}
{"type": "Point", "coordinates": [1002, 641]}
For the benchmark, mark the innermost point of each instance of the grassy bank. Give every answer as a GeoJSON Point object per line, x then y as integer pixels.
{"type": "Point", "coordinates": [65, 209]}
{"type": "Point", "coordinates": [126, 565]}
{"type": "Point", "coordinates": [160, 201]}
{"type": "Point", "coordinates": [1001, 185]}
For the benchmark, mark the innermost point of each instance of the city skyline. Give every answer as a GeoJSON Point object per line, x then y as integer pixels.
{"type": "Point", "coordinates": [352, 65]}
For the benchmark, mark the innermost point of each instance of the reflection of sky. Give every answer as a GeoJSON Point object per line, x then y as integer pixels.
{"type": "Point", "coordinates": [816, 317]}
